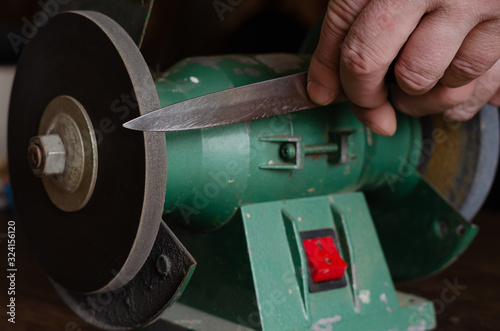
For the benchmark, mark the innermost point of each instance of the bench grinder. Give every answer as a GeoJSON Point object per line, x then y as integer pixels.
{"type": "Point", "coordinates": [293, 222]}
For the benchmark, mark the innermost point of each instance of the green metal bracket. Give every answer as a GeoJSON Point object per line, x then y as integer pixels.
{"type": "Point", "coordinates": [293, 151]}
{"type": "Point", "coordinates": [273, 268]}
{"type": "Point", "coordinates": [339, 138]}
{"type": "Point", "coordinates": [290, 149]}
{"type": "Point", "coordinates": [431, 237]}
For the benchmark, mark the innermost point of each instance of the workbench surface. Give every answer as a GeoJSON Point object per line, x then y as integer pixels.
{"type": "Point", "coordinates": [477, 307]}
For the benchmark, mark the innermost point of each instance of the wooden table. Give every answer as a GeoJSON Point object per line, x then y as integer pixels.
{"type": "Point", "coordinates": [476, 308]}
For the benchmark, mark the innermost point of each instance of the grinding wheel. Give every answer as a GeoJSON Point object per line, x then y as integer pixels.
{"type": "Point", "coordinates": [460, 158]}
{"type": "Point", "coordinates": [102, 243]}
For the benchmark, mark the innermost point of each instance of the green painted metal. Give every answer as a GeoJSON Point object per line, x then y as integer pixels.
{"type": "Point", "coordinates": [423, 228]}
{"type": "Point", "coordinates": [239, 195]}
{"type": "Point", "coordinates": [253, 272]}
{"type": "Point", "coordinates": [211, 172]}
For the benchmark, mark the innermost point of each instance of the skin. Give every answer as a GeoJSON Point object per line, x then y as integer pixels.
{"type": "Point", "coordinates": [445, 55]}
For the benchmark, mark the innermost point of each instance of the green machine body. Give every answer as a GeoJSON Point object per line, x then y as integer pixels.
{"type": "Point", "coordinates": [240, 197]}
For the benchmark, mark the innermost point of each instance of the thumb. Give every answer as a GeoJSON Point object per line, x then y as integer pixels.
{"type": "Point", "coordinates": [323, 81]}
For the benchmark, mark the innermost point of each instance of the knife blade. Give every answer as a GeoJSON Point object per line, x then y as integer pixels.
{"type": "Point", "coordinates": [240, 104]}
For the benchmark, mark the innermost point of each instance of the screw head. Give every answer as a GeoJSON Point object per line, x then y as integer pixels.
{"type": "Point", "coordinates": [288, 151]}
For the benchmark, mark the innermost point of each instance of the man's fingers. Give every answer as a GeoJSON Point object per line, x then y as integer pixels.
{"type": "Point", "coordinates": [430, 49]}
{"type": "Point", "coordinates": [437, 100]}
{"type": "Point", "coordinates": [486, 87]}
{"type": "Point", "coordinates": [445, 50]}
{"type": "Point", "coordinates": [381, 120]}
{"type": "Point", "coordinates": [459, 104]}
{"type": "Point", "coordinates": [478, 53]}
{"type": "Point", "coordinates": [323, 77]}
{"type": "Point", "coordinates": [372, 43]}
{"type": "Point", "coordinates": [495, 100]}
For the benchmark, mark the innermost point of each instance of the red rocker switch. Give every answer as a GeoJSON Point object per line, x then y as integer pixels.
{"type": "Point", "coordinates": [324, 259]}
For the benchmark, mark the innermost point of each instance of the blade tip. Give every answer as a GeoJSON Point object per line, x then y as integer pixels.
{"type": "Point", "coordinates": [130, 125]}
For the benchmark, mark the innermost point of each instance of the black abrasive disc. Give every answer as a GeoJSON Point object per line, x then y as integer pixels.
{"type": "Point", "coordinates": [89, 57]}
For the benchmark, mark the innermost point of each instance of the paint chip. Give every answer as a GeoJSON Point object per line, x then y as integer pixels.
{"type": "Point", "coordinates": [364, 296]}
{"type": "Point", "coordinates": [299, 219]}
{"type": "Point", "coordinates": [194, 79]}
{"type": "Point", "coordinates": [247, 215]}
{"type": "Point", "coordinates": [325, 324]}
{"type": "Point", "coordinates": [252, 72]}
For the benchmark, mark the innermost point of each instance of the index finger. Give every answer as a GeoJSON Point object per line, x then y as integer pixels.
{"type": "Point", "coordinates": [373, 42]}
{"type": "Point", "coordinates": [323, 77]}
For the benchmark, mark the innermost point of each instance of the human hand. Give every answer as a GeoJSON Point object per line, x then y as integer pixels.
{"type": "Point", "coordinates": [445, 53]}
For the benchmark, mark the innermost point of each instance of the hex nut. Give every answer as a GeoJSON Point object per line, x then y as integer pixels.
{"type": "Point", "coordinates": [47, 155]}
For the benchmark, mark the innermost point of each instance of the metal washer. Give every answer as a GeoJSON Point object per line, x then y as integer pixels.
{"type": "Point", "coordinates": [66, 117]}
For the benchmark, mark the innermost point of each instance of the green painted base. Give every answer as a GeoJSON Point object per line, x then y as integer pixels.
{"type": "Point", "coordinates": [182, 317]}
{"type": "Point", "coordinates": [252, 273]}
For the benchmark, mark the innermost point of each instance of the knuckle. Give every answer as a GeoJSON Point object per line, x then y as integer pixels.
{"type": "Point", "coordinates": [341, 14]}
{"type": "Point", "coordinates": [358, 61]}
{"type": "Point", "coordinates": [466, 70]}
{"type": "Point", "coordinates": [414, 80]}
{"type": "Point", "coordinates": [462, 113]}
{"type": "Point", "coordinates": [339, 17]}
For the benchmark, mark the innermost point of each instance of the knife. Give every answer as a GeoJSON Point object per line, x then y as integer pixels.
{"type": "Point", "coordinates": [250, 102]}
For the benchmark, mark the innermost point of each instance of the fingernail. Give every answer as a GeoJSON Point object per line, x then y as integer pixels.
{"type": "Point", "coordinates": [318, 93]}
{"type": "Point", "coordinates": [378, 130]}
